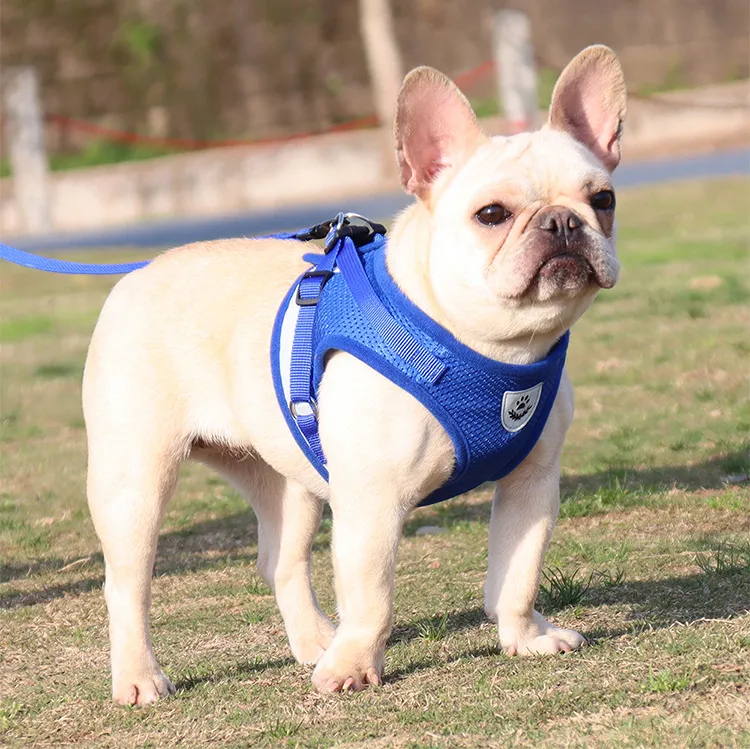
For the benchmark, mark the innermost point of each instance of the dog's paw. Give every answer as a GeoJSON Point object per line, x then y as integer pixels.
{"type": "Point", "coordinates": [343, 669]}
{"type": "Point", "coordinates": [537, 637]}
{"type": "Point", "coordinates": [310, 642]}
{"type": "Point", "coordinates": [345, 680]}
{"type": "Point", "coordinates": [145, 690]}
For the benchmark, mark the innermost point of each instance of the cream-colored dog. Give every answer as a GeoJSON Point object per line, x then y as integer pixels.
{"type": "Point", "coordinates": [506, 245]}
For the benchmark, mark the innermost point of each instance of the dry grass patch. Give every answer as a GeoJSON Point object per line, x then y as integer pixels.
{"type": "Point", "coordinates": [655, 517]}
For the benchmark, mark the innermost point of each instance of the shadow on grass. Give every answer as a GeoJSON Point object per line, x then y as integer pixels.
{"type": "Point", "coordinates": [12, 599]}
{"type": "Point", "coordinates": [232, 673]}
{"type": "Point", "coordinates": [31, 568]}
{"type": "Point", "coordinates": [655, 605]}
{"type": "Point", "coordinates": [212, 544]}
{"type": "Point", "coordinates": [456, 621]}
{"type": "Point", "coordinates": [662, 603]}
{"type": "Point", "coordinates": [637, 484]}
{"type": "Point", "coordinates": [705, 475]}
{"type": "Point", "coordinates": [425, 662]}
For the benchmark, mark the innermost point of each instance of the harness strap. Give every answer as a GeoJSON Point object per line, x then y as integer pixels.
{"type": "Point", "coordinates": [343, 256]}
{"type": "Point", "coordinates": [302, 401]}
{"type": "Point", "coordinates": [394, 335]}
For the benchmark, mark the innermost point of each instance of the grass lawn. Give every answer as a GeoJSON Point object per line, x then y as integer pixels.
{"type": "Point", "coordinates": [650, 560]}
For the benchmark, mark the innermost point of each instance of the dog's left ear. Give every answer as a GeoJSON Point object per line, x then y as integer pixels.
{"type": "Point", "coordinates": [589, 102]}
{"type": "Point", "coordinates": [435, 129]}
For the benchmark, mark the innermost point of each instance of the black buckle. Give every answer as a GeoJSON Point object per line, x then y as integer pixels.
{"type": "Point", "coordinates": [360, 233]}
{"type": "Point", "coordinates": [314, 273]}
{"type": "Point", "coordinates": [319, 231]}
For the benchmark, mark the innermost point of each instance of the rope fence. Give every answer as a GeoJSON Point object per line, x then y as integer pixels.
{"type": "Point", "coordinates": [67, 124]}
{"type": "Point", "coordinates": [465, 80]}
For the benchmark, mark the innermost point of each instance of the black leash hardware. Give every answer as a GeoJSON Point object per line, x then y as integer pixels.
{"type": "Point", "coordinates": [319, 231]}
{"type": "Point", "coordinates": [341, 226]}
{"type": "Point", "coordinates": [361, 232]}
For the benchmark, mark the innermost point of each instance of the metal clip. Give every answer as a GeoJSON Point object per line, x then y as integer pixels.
{"type": "Point", "coordinates": [303, 408]}
{"type": "Point", "coordinates": [360, 233]}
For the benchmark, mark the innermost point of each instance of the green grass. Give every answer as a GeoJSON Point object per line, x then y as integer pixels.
{"type": "Point", "coordinates": [665, 681]}
{"type": "Point", "coordinates": [650, 554]}
{"type": "Point", "coordinates": [433, 630]}
{"type": "Point", "coordinates": [24, 327]}
{"type": "Point", "coordinates": [725, 560]}
{"type": "Point", "coordinates": [560, 589]}
{"type": "Point", "coordinates": [98, 153]}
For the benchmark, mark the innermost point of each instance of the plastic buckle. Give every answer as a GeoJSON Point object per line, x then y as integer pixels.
{"type": "Point", "coordinates": [360, 233]}
{"type": "Point", "coordinates": [319, 231]}
{"type": "Point", "coordinates": [313, 300]}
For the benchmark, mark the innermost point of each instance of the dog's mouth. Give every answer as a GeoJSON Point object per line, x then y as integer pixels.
{"type": "Point", "coordinates": [565, 263]}
{"type": "Point", "coordinates": [568, 271]}
{"type": "Point", "coordinates": [544, 269]}
{"type": "Point", "coordinates": [572, 268]}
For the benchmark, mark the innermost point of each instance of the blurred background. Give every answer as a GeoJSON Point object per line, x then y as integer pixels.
{"type": "Point", "coordinates": [256, 68]}
{"type": "Point", "coordinates": [129, 126]}
{"type": "Point", "coordinates": [132, 80]}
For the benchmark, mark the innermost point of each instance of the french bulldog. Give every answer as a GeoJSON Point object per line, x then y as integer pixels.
{"type": "Point", "coordinates": [507, 243]}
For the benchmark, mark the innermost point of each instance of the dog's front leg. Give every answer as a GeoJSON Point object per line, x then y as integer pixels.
{"type": "Point", "coordinates": [385, 451]}
{"type": "Point", "coordinates": [366, 529]}
{"type": "Point", "coordinates": [524, 511]}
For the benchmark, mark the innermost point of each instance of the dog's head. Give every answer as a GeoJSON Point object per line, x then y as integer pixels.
{"type": "Point", "coordinates": [517, 232]}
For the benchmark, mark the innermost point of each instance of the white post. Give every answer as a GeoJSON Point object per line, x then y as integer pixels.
{"type": "Point", "coordinates": [24, 132]}
{"type": "Point", "coordinates": [516, 71]}
{"type": "Point", "coordinates": [385, 67]}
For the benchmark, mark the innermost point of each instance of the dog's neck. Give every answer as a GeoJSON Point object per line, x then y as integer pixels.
{"type": "Point", "coordinates": [410, 270]}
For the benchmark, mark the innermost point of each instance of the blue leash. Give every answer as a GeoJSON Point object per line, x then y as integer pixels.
{"type": "Point", "coordinates": [53, 265]}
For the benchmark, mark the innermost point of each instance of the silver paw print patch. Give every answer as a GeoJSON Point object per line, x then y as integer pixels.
{"type": "Point", "coordinates": [519, 406]}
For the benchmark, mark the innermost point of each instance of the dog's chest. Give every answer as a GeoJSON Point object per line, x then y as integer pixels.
{"type": "Point", "coordinates": [493, 413]}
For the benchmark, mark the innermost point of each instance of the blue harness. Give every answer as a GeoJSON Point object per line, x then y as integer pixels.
{"type": "Point", "coordinates": [493, 412]}
{"type": "Point", "coordinates": [347, 301]}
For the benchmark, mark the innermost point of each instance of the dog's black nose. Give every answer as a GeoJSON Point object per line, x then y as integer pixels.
{"type": "Point", "coordinates": [559, 220]}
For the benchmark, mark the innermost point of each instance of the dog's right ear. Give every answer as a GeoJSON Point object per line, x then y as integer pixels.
{"type": "Point", "coordinates": [435, 129]}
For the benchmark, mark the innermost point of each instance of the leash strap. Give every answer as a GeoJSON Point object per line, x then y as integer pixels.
{"type": "Point", "coordinates": [54, 265]}
{"type": "Point", "coordinates": [69, 267]}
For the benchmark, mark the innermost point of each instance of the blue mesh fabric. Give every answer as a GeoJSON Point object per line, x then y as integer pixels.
{"type": "Point", "coordinates": [467, 399]}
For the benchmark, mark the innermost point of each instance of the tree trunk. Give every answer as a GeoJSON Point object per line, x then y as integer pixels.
{"type": "Point", "coordinates": [386, 70]}
{"type": "Point", "coordinates": [24, 130]}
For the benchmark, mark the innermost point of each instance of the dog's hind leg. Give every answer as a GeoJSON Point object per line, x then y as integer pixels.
{"type": "Point", "coordinates": [128, 487]}
{"type": "Point", "coordinates": [288, 519]}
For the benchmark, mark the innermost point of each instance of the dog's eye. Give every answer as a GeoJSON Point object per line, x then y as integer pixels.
{"type": "Point", "coordinates": [492, 215]}
{"type": "Point", "coordinates": [604, 200]}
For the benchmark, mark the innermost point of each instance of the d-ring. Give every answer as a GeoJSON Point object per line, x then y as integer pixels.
{"type": "Point", "coordinates": [303, 408]}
